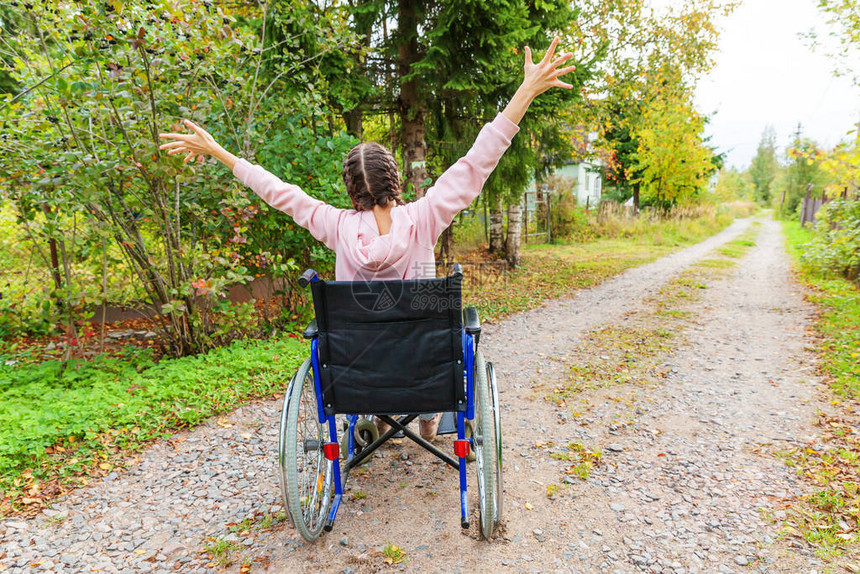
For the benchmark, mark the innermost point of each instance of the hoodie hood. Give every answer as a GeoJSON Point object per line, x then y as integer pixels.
{"type": "Point", "coordinates": [380, 256]}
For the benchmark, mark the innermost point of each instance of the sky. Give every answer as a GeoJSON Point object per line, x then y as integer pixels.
{"type": "Point", "coordinates": [767, 74]}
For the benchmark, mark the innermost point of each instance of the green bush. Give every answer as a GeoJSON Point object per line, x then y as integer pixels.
{"type": "Point", "coordinates": [91, 409]}
{"type": "Point", "coordinates": [570, 221]}
{"type": "Point", "coordinates": [835, 247]}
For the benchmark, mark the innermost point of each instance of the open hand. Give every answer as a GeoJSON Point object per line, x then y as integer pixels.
{"type": "Point", "coordinates": [198, 143]}
{"type": "Point", "coordinates": [544, 75]}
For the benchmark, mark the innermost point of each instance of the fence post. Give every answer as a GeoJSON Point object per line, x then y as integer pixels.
{"type": "Point", "coordinates": [548, 219]}
{"type": "Point", "coordinates": [526, 216]}
{"type": "Point", "coordinates": [805, 207]}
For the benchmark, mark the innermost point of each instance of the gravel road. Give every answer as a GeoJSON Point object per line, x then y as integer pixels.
{"type": "Point", "coordinates": [688, 483]}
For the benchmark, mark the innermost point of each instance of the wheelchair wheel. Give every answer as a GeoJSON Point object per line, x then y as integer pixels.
{"type": "Point", "coordinates": [495, 407]}
{"type": "Point", "coordinates": [486, 453]}
{"type": "Point", "coordinates": [306, 475]}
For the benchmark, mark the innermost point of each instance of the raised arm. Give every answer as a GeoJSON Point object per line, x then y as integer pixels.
{"type": "Point", "coordinates": [316, 216]}
{"type": "Point", "coordinates": [462, 182]}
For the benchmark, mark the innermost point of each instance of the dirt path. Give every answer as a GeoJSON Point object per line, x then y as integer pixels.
{"type": "Point", "coordinates": [686, 481]}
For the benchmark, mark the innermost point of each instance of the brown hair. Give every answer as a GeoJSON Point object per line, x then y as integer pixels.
{"type": "Point", "coordinates": [371, 176]}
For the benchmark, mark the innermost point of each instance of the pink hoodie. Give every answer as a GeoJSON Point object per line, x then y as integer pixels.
{"type": "Point", "coordinates": [406, 251]}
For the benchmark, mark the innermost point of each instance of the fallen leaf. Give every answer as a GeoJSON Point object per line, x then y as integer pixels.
{"type": "Point", "coordinates": [105, 466]}
{"type": "Point", "coordinates": [223, 423]}
{"type": "Point", "coordinates": [140, 551]}
{"type": "Point", "coordinates": [529, 506]}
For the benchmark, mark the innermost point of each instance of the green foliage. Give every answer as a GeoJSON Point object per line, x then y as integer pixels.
{"type": "Point", "coordinates": [835, 247]}
{"type": "Point", "coordinates": [843, 17]}
{"type": "Point", "coordinates": [764, 167]}
{"type": "Point", "coordinates": [804, 169]}
{"type": "Point", "coordinates": [653, 55]}
{"type": "Point", "coordinates": [839, 322]}
{"type": "Point", "coordinates": [569, 221]}
{"type": "Point", "coordinates": [90, 409]}
{"type": "Point", "coordinates": [828, 518]}
{"type": "Point", "coordinates": [672, 160]}
{"type": "Point", "coordinates": [80, 158]}
{"type": "Point", "coordinates": [733, 185]}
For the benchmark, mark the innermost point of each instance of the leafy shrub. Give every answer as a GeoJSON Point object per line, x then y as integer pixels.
{"type": "Point", "coordinates": [90, 409]}
{"type": "Point", "coordinates": [836, 245]}
{"type": "Point", "coordinates": [570, 221]}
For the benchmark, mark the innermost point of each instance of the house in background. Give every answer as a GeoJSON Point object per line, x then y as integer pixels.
{"type": "Point", "coordinates": [587, 181]}
{"type": "Point", "coordinates": [584, 171]}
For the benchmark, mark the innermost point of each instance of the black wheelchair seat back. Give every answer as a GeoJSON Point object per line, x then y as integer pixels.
{"type": "Point", "coordinates": [390, 347]}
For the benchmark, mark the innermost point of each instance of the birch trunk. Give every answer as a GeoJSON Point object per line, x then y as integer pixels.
{"type": "Point", "coordinates": [515, 221]}
{"type": "Point", "coordinates": [497, 228]}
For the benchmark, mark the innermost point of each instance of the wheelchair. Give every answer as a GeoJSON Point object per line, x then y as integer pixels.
{"type": "Point", "coordinates": [394, 349]}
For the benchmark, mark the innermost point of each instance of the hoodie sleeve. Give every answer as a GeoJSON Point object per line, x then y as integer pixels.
{"type": "Point", "coordinates": [462, 182]}
{"type": "Point", "coordinates": [318, 217]}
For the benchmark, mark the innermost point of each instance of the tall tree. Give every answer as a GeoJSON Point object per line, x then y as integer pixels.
{"type": "Point", "coordinates": [672, 160]}
{"type": "Point", "coordinates": [446, 67]}
{"type": "Point", "coordinates": [764, 166]}
{"type": "Point", "coordinates": [649, 52]}
{"type": "Point", "coordinates": [804, 171]}
{"type": "Point", "coordinates": [843, 19]}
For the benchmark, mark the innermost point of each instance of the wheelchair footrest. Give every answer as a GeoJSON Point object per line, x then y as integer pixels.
{"type": "Point", "coordinates": [464, 523]}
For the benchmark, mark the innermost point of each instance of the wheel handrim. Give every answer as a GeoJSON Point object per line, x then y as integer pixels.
{"type": "Point", "coordinates": [306, 475]}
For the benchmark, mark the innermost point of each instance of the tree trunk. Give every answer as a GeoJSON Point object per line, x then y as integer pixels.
{"type": "Point", "coordinates": [411, 108]}
{"type": "Point", "coordinates": [515, 221]}
{"type": "Point", "coordinates": [635, 198]}
{"type": "Point", "coordinates": [354, 122]}
{"type": "Point", "coordinates": [446, 246]}
{"type": "Point", "coordinates": [497, 228]}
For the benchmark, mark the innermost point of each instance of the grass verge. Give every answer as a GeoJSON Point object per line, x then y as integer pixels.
{"type": "Point", "coordinates": [61, 424]}
{"type": "Point", "coordinates": [550, 271]}
{"type": "Point", "coordinates": [829, 518]}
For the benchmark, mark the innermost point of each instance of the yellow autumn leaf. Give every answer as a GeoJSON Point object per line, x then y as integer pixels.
{"type": "Point", "coordinates": [140, 551]}
{"type": "Point", "coordinates": [105, 466]}
{"type": "Point", "coordinates": [529, 506]}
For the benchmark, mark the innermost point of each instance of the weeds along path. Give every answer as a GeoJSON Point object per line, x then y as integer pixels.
{"type": "Point", "coordinates": [631, 430]}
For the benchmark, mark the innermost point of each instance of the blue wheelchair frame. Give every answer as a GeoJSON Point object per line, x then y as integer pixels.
{"type": "Point", "coordinates": [462, 446]}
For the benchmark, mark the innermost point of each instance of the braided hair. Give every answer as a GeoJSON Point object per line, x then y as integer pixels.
{"type": "Point", "coordinates": [371, 176]}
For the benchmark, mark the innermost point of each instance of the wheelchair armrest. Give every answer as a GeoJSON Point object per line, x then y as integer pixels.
{"type": "Point", "coordinates": [308, 277]}
{"type": "Point", "coordinates": [472, 322]}
{"type": "Point", "coordinates": [311, 330]}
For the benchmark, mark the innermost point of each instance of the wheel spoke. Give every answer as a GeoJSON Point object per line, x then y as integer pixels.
{"type": "Point", "coordinates": [308, 479]}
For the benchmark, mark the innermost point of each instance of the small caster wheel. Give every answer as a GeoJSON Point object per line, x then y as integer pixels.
{"type": "Point", "coordinates": [365, 433]}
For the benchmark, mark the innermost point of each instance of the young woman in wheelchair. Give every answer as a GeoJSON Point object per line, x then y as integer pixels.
{"type": "Point", "coordinates": [383, 238]}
